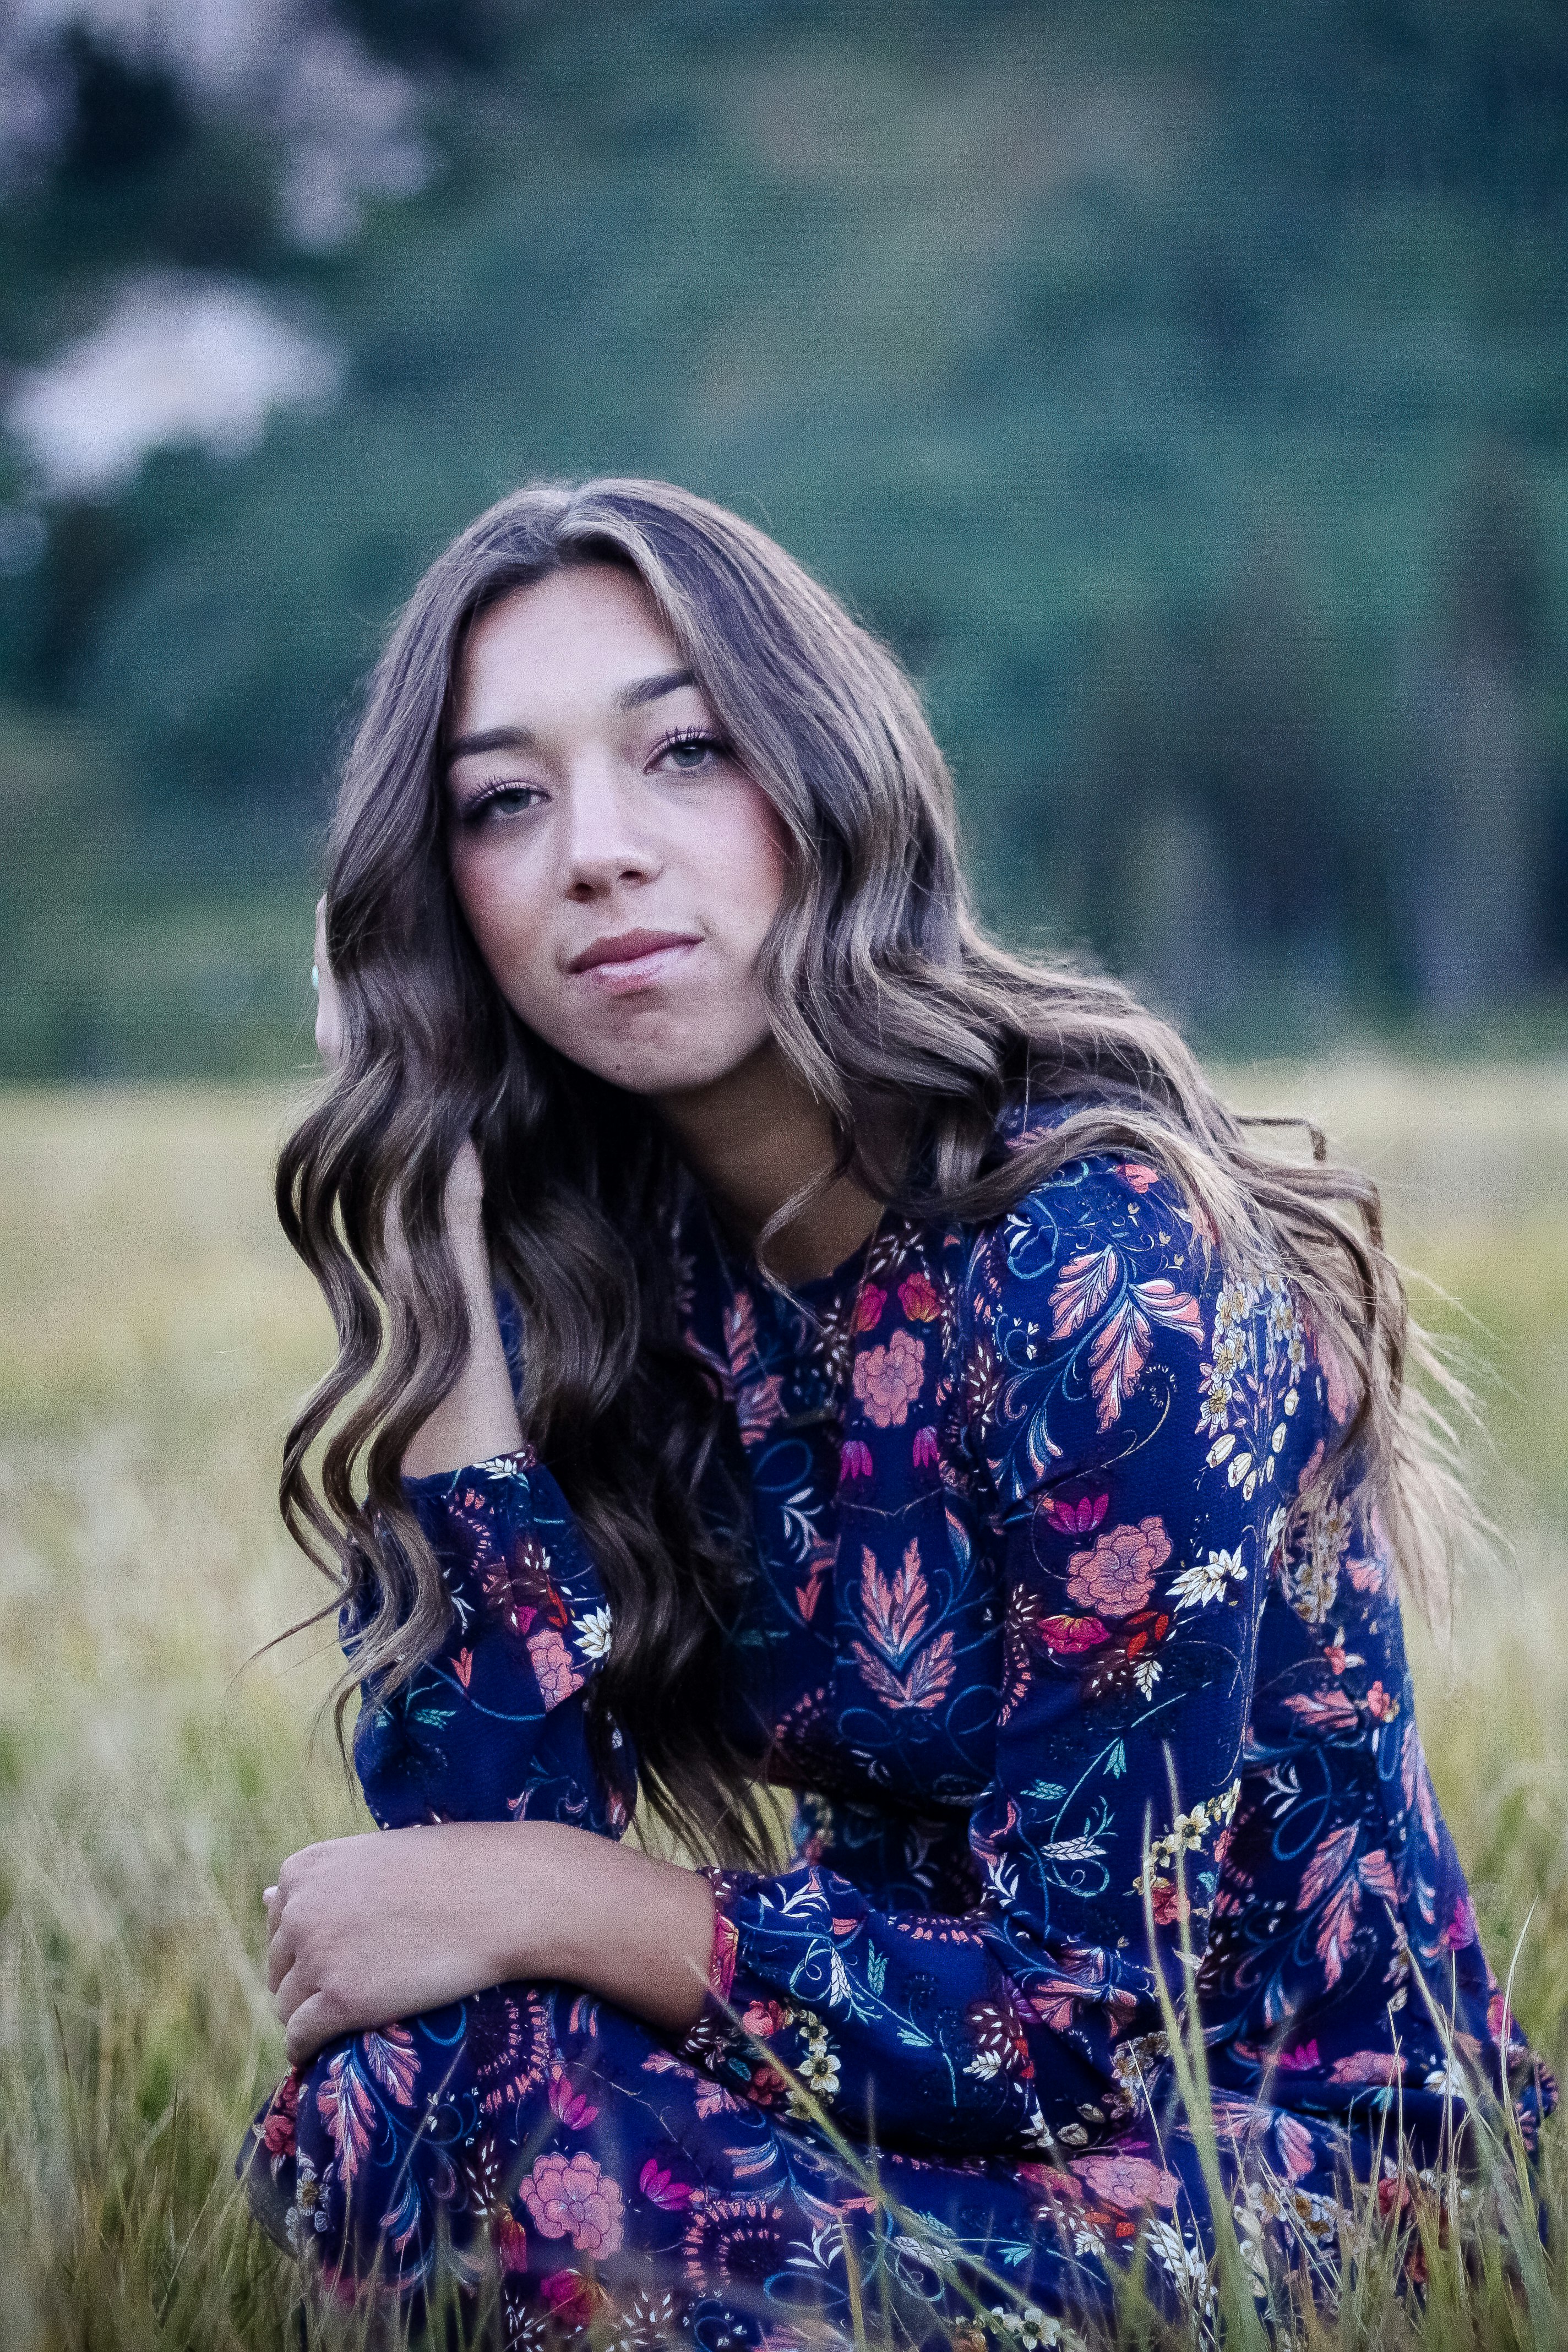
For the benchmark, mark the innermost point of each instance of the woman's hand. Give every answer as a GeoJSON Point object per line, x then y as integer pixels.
{"type": "Point", "coordinates": [365, 1929]}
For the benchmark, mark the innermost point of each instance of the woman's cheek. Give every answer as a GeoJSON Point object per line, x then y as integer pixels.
{"type": "Point", "coordinates": [507, 925]}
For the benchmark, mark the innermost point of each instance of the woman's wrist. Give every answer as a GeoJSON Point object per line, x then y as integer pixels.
{"type": "Point", "coordinates": [637, 1931]}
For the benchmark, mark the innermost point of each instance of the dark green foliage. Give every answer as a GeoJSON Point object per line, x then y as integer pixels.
{"type": "Point", "coordinates": [1182, 388]}
{"type": "Point", "coordinates": [124, 117]}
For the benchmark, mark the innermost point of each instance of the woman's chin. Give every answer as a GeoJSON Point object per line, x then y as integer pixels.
{"type": "Point", "coordinates": [656, 1050]}
{"type": "Point", "coordinates": [659, 1073]}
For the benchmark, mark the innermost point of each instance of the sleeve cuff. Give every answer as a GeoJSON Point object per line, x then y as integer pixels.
{"type": "Point", "coordinates": [437, 1488]}
{"type": "Point", "coordinates": [718, 2028]}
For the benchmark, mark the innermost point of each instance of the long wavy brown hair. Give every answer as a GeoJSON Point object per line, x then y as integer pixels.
{"type": "Point", "coordinates": [885, 996]}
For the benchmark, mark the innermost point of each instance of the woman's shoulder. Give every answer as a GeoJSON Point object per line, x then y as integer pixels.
{"type": "Point", "coordinates": [1100, 1302]}
{"type": "Point", "coordinates": [1099, 1214]}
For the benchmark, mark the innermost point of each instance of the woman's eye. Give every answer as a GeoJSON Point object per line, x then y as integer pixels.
{"type": "Point", "coordinates": [689, 755]}
{"type": "Point", "coordinates": [505, 799]}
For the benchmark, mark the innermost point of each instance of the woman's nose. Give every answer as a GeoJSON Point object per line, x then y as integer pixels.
{"type": "Point", "coordinates": [608, 840]}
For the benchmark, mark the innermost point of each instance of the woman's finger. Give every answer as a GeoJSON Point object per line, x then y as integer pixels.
{"type": "Point", "coordinates": [320, 2018]}
{"type": "Point", "coordinates": [309, 2026]}
{"type": "Point", "coordinates": [286, 1981]}
{"type": "Point", "coordinates": [281, 1956]}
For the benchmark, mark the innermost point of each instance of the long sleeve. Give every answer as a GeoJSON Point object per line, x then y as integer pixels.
{"type": "Point", "coordinates": [1097, 1424]}
{"type": "Point", "coordinates": [492, 1726]}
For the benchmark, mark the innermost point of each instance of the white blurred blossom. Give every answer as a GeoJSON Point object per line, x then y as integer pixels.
{"type": "Point", "coordinates": [179, 362]}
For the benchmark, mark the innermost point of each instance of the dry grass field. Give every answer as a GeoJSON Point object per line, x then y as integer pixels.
{"type": "Point", "coordinates": [155, 1333]}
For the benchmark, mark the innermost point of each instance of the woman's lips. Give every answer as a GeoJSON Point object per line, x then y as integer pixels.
{"type": "Point", "coordinates": [632, 960]}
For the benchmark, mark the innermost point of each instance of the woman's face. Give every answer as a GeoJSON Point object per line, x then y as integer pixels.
{"type": "Point", "coordinates": [617, 869]}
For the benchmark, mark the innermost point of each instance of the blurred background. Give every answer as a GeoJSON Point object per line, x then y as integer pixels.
{"type": "Point", "coordinates": [1180, 385]}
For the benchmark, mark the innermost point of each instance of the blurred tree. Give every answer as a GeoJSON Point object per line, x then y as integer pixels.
{"type": "Point", "coordinates": [1116, 359]}
{"type": "Point", "coordinates": [1474, 852]}
{"type": "Point", "coordinates": [125, 116]}
{"type": "Point", "coordinates": [432, 32]}
{"type": "Point", "coordinates": [1219, 844]}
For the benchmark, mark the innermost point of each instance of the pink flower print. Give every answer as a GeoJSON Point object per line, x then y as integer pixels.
{"type": "Point", "coordinates": [1367, 2066]}
{"type": "Point", "coordinates": [568, 2101]}
{"type": "Point", "coordinates": [1137, 1176]}
{"type": "Point", "coordinates": [740, 1336]}
{"type": "Point", "coordinates": [1302, 2060]}
{"type": "Point", "coordinates": [726, 1951]}
{"type": "Point", "coordinates": [574, 2301]}
{"type": "Point", "coordinates": [766, 2087]}
{"type": "Point", "coordinates": [1118, 1576]}
{"type": "Point", "coordinates": [571, 2197]}
{"type": "Point", "coordinates": [1080, 1519]}
{"type": "Point", "coordinates": [854, 1462]}
{"type": "Point", "coordinates": [277, 2131]}
{"type": "Point", "coordinates": [661, 2187]}
{"type": "Point", "coordinates": [764, 2018]}
{"type": "Point", "coordinates": [1460, 1929]}
{"type": "Point", "coordinates": [1294, 2142]}
{"type": "Point", "coordinates": [925, 1447]}
{"type": "Point", "coordinates": [759, 1405]}
{"type": "Point", "coordinates": [1125, 2182]}
{"type": "Point", "coordinates": [553, 1665]}
{"type": "Point", "coordinates": [1038, 2176]}
{"type": "Point", "coordinates": [917, 1296]}
{"type": "Point", "coordinates": [1167, 1903]}
{"type": "Point", "coordinates": [1381, 1703]}
{"type": "Point", "coordinates": [1051, 2182]}
{"type": "Point", "coordinates": [1065, 1636]}
{"type": "Point", "coordinates": [888, 1380]}
{"type": "Point", "coordinates": [509, 2240]}
{"type": "Point", "coordinates": [1336, 1383]}
{"type": "Point", "coordinates": [869, 1309]}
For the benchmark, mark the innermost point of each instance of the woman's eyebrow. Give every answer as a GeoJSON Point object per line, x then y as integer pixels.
{"type": "Point", "coordinates": [640, 691]}
{"type": "Point", "coordinates": [652, 690]}
{"type": "Point", "coordinates": [489, 739]}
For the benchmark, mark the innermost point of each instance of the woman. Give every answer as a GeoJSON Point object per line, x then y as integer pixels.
{"type": "Point", "coordinates": [795, 1343]}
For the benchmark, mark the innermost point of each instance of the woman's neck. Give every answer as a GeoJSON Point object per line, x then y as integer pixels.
{"type": "Point", "coordinates": [755, 1138]}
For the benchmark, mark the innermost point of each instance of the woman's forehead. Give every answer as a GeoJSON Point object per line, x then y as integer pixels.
{"type": "Point", "coordinates": [584, 634]}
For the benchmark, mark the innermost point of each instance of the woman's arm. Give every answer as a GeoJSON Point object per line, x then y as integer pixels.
{"type": "Point", "coordinates": [368, 1930]}
{"type": "Point", "coordinates": [1132, 1564]}
{"type": "Point", "coordinates": [365, 1929]}
{"type": "Point", "coordinates": [477, 1419]}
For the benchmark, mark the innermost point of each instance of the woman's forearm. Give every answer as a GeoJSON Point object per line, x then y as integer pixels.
{"type": "Point", "coordinates": [478, 1418]}
{"type": "Point", "coordinates": [382, 1925]}
{"type": "Point", "coordinates": [637, 1931]}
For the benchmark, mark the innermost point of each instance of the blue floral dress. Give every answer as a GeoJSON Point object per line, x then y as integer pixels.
{"type": "Point", "coordinates": [1030, 1644]}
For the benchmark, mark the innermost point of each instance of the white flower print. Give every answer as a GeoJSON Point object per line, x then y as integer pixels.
{"type": "Point", "coordinates": [1209, 1580]}
{"type": "Point", "coordinates": [591, 1634]}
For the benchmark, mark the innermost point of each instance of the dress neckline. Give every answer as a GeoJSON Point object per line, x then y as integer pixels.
{"type": "Point", "coordinates": [821, 1291]}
